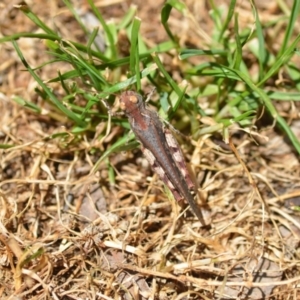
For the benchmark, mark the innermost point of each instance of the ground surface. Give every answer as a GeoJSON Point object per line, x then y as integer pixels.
{"type": "Point", "coordinates": [68, 234]}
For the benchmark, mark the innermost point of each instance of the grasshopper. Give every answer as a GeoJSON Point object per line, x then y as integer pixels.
{"type": "Point", "coordinates": [160, 148]}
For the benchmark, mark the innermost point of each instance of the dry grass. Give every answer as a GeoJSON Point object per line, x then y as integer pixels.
{"type": "Point", "coordinates": [67, 233]}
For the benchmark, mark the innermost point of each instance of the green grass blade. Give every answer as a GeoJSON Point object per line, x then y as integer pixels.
{"type": "Point", "coordinates": [134, 52]}
{"type": "Point", "coordinates": [50, 37]}
{"type": "Point", "coordinates": [127, 19]}
{"type": "Point", "coordinates": [35, 19]}
{"type": "Point", "coordinates": [272, 110]}
{"type": "Point", "coordinates": [290, 27]}
{"type": "Point", "coordinates": [54, 100]}
{"type": "Point", "coordinates": [165, 14]}
{"type": "Point", "coordinates": [33, 107]}
{"type": "Point", "coordinates": [186, 53]}
{"type": "Point", "coordinates": [123, 144]}
{"type": "Point", "coordinates": [76, 16]}
{"type": "Point", "coordinates": [109, 34]}
{"type": "Point", "coordinates": [168, 78]}
{"type": "Point", "coordinates": [6, 146]}
{"type": "Point", "coordinates": [227, 20]}
{"type": "Point", "coordinates": [238, 51]}
{"type": "Point", "coordinates": [281, 60]}
{"type": "Point", "coordinates": [126, 83]}
{"type": "Point", "coordinates": [92, 37]}
{"type": "Point", "coordinates": [262, 54]}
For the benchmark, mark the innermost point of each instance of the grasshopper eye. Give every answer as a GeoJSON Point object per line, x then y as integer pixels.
{"type": "Point", "coordinates": [133, 99]}
{"type": "Point", "coordinates": [122, 105]}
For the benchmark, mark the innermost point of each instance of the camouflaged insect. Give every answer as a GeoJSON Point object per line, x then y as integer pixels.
{"type": "Point", "coordinates": [160, 148]}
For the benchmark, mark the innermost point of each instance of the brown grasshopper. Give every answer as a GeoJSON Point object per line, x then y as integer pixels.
{"type": "Point", "coordinates": [160, 148]}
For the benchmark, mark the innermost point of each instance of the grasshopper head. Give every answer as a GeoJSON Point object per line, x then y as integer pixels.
{"type": "Point", "coordinates": [131, 101]}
